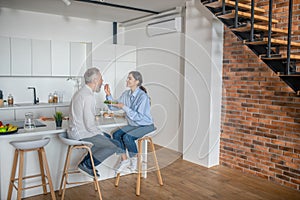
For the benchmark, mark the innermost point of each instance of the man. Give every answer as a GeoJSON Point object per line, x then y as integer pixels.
{"type": "Point", "coordinates": [82, 124]}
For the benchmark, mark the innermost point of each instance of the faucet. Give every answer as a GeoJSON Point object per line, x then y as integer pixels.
{"type": "Point", "coordinates": [34, 95]}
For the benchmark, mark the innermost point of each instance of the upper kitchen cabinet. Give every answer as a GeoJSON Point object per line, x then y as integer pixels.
{"type": "Point", "coordinates": [20, 57]}
{"type": "Point", "coordinates": [80, 58]}
{"type": "Point", "coordinates": [125, 53]}
{"type": "Point", "coordinates": [41, 58]}
{"type": "Point", "coordinates": [60, 51]}
{"type": "Point", "coordinates": [4, 56]}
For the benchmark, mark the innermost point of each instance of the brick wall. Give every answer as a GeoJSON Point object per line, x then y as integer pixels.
{"type": "Point", "coordinates": [260, 116]}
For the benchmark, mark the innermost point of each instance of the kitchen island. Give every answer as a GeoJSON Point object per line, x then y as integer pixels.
{"type": "Point", "coordinates": [55, 152]}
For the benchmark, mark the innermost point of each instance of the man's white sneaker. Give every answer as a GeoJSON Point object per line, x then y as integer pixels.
{"type": "Point", "coordinates": [133, 164]}
{"type": "Point", "coordinates": [123, 167]}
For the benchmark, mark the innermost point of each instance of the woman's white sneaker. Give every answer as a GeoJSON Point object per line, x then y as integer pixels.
{"type": "Point", "coordinates": [124, 166]}
{"type": "Point", "coordinates": [133, 164]}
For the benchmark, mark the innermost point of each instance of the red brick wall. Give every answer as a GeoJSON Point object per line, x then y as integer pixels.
{"type": "Point", "coordinates": [260, 117]}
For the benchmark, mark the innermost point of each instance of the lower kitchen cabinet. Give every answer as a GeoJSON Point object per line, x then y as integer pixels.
{"type": "Point", "coordinates": [7, 115]}
{"type": "Point", "coordinates": [37, 112]}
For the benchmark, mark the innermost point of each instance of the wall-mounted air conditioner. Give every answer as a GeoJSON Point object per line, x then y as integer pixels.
{"type": "Point", "coordinates": [164, 26]}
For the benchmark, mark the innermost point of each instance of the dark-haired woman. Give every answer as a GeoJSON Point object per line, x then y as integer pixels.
{"type": "Point", "coordinates": [135, 102]}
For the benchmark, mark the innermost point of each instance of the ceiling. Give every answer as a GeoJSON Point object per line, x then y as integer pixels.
{"type": "Point", "coordinates": [96, 9]}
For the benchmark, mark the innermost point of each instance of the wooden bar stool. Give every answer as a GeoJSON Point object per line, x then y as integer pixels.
{"type": "Point", "coordinates": [76, 144]}
{"type": "Point", "coordinates": [146, 138]}
{"type": "Point", "coordinates": [20, 148]}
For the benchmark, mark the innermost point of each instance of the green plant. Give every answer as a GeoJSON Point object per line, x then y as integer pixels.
{"type": "Point", "coordinates": [58, 116]}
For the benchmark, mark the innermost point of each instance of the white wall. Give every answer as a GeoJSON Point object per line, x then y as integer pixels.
{"type": "Point", "coordinates": [203, 85]}
{"type": "Point", "coordinates": [33, 25]}
{"type": "Point", "coordinates": [159, 60]}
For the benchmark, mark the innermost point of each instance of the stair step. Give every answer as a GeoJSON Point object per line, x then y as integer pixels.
{"type": "Point", "coordinates": [291, 75]}
{"type": "Point", "coordinates": [260, 28]}
{"type": "Point", "coordinates": [231, 15]}
{"type": "Point", "coordinates": [240, 1]}
{"type": "Point", "coordinates": [283, 57]}
{"type": "Point", "coordinates": [218, 4]}
{"type": "Point", "coordinates": [273, 41]}
{"type": "Point", "coordinates": [293, 80]}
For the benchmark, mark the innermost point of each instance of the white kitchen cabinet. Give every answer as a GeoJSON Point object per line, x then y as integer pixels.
{"type": "Point", "coordinates": [125, 53]}
{"type": "Point", "coordinates": [104, 52]}
{"type": "Point", "coordinates": [37, 112]}
{"type": "Point", "coordinates": [60, 52]}
{"type": "Point", "coordinates": [41, 58]}
{"type": "Point", "coordinates": [20, 57]}
{"type": "Point", "coordinates": [4, 56]}
{"type": "Point", "coordinates": [7, 115]}
{"type": "Point", "coordinates": [122, 70]}
{"type": "Point", "coordinates": [78, 58]}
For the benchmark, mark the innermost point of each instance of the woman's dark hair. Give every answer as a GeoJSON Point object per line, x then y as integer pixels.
{"type": "Point", "coordinates": [138, 76]}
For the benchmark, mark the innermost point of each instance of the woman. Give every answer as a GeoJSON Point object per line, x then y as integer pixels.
{"type": "Point", "coordinates": [135, 102]}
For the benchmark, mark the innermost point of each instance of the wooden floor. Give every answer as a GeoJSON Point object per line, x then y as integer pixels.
{"type": "Point", "coordinates": [184, 180]}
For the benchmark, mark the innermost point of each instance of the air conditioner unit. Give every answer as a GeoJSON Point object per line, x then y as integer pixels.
{"type": "Point", "coordinates": [164, 26]}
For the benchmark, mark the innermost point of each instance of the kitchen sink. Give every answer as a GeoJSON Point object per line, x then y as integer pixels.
{"type": "Point", "coordinates": [29, 104]}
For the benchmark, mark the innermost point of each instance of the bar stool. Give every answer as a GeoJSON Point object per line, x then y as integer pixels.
{"type": "Point", "coordinates": [20, 148]}
{"type": "Point", "coordinates": [146, 138]}
{"type": "Point", "coordinates": [75, 144]}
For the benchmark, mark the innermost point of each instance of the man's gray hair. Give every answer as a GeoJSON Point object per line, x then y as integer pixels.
{"type": "Point", "coordinates": [91, 74]}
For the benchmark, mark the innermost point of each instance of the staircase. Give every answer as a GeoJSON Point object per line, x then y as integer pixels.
{"type": "Point", "coordinates": [256, 28]}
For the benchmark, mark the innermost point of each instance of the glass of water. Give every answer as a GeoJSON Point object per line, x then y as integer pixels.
{"type": "Point", "coordinates": [29, 121]}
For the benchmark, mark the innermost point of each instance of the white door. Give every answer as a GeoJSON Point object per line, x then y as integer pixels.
{"type": "Point", "coordinates": [125, 53]}
{"type": "Point", "coordinates": [122, 70]}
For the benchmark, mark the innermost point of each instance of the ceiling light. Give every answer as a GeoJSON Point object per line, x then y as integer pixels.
{"type": "Point", "coordinates": [67, 2]}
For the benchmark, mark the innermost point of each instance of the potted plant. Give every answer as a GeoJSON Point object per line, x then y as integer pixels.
{"type": "Point", "coordinates": [58, 116]}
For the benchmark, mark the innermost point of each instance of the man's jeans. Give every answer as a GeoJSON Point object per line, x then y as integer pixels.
{"type": "Point", "coordinates": [87, 160]}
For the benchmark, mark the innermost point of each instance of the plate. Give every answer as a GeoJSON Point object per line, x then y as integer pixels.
{"type": "Point", "coordinates": [9, 132]}
{"type": "Point", "coordinates": [108, 117]}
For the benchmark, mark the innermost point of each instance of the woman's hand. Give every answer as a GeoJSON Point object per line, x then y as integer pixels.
{"type": "Point", "coordinates": [107, 90]}
{"type": "Point", "coordinates": [118, 105]}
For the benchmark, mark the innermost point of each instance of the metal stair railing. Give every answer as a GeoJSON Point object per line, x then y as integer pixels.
{"type": "Point", "coordinates": [236, 16]}
{"type": "Point", "coordinates": [251, 39]}
{"type": "Point", "coordinates": [288, 62]}
{"type": "Point", "coordinates": [270, 29]}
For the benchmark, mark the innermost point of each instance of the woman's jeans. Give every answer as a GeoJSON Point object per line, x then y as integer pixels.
{"type": "Point", "coordinates": [128, 134]}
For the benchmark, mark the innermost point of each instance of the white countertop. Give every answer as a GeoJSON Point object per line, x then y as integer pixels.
{"type": "Point", "coordinates": [31, 105]}
{"type": "Point", "coordinates": [50, 127]}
